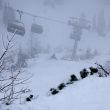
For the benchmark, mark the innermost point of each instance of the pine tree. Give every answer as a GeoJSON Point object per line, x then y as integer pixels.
{"type": "Point", "coordinates": [106, 2]}
{"type": "Point", "coordinates": [83, 21]}
{"type": "Point", "coordinates": [94, 25]}
{"type": "Point", "coordinates": [21, 60]}
{"type": "Point", "coordinates": [59, 2]}
{"type": "Point", "coordinates": [101, 24]}
{"type": "Point", "coordinates": [8, 14]}
{"type": "Point", "coordinates": [49, 3]}
{"type": "Point", "coordinates": [88, 54]}
{"type": "Point", "coordinates": [1, 4]}
{"type": "Point", "coordinates": [109, 26]}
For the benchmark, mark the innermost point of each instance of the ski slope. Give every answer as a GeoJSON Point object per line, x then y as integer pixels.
{"type": "Point", "coordinates": [91, 93]}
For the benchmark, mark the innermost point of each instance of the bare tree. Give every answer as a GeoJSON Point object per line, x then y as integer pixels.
{"type": "Point", "coordinates": [9, 87]}
{"type": "Point", "coordinates": [101, 24]}
{"type": "Point", "coordinates": [102, 71]}
{"type": "Point", "coordinates": [9, 82]}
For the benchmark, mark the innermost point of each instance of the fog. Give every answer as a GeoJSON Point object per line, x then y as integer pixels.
{"type": "Point", "coordinates": [53, 16]}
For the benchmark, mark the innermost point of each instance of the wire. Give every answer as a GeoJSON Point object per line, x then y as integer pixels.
{"type": "Point", "coordinates": [41, 17]}
{"type": "Point", "coordinates": [36, 16]}
{"type": "Point", "coordinates": [45, 18]}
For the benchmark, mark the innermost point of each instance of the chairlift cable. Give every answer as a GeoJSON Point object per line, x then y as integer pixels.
{"type": "Point", "coordinates": [41, 17]}
{"type": "Point", "coordinates": [36, 16]}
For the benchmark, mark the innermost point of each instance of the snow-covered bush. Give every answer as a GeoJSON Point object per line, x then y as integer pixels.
{"type": "Point", "coordinates": [88, 54]}
{"type": "Point", "coordinates": [21, 59]}
{"type": "Point", "coordinates": [99, 71]}
{"type": "Point", "coordinates": [93, 70]}
{"type": "Point", "coordinates": [53, 57]}
{"type": "Point", "coordinates": [84, 73]}
{"type": "Point", "coordinates": [29, 98]}
{"type": "Point", "coordinates": [107, 66]}
{"type": "Point", "coordinates": [61, 86]}
{"type": "Point", "coordinates": [73, 78]}
{"type": "Point", "coordinates": [54, 91]}
{"type": "Point", "coordinates": [103, 70]}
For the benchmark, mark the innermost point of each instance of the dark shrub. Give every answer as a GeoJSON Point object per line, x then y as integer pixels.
{"type": "Point", "coordinates": [54, 91]}
{"type": "Point", "coordinates": [53, 57]}
{"type": "Point", "coordinates": [28, 99]}
{"type": "Point", "coordinates": [31, 96]}
{"type": "Point", "coordinates": [73, 78]}
{"type": "Point", "coordinates": [61, 86]}
{"type": "Point", "coordinates": [70, 82]}
{"type": "Point", "coordinates": [84, 73]}
{"type": "Point", "coordinates": [93, 70]}
{"type": "Point", "coordinates": [7, 103]}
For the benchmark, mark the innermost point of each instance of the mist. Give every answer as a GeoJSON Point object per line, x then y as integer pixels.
{"type": "Point", "coordinates": [54, 54]}
{"type": "Point", "coordinates": [56, 35]}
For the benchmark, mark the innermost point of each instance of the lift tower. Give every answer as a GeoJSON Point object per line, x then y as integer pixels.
{"type": "Point", "coordinates": [78, 24]}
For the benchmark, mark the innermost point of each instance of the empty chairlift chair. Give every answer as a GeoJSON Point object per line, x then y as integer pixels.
{"type": "Point", "coordinates": [35, 28]}
{"type": "Point", "coordinates": [16, 27]}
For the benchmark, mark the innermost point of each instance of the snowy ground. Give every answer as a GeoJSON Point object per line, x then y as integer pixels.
{"type": "Point", "coordinates": [91, 93]}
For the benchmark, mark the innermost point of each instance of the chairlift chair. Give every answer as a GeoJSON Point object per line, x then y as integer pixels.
{"type": "Point", "coordinates": [35, 28]}
{"type": "Point", "coordinates": [16, 27]}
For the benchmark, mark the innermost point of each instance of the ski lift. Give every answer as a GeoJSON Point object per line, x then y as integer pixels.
{"type": "Point", "coordinates": [36, 28]}
{"type": "Point", "coordinates": [17, 26]}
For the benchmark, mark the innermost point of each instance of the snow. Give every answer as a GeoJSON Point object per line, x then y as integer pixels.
{"type": "Point", "coordinates": [91, 93]}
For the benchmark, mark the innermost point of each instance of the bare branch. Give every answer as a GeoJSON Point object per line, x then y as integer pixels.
{"type": "Point", "coordinates": [102, 68]}
{"type": "Point", "coordinates": [9, 83]}
{"type": "Point", "coordinates": [3, 42]}
{"type": "Point", "coordinates": [6, 47]}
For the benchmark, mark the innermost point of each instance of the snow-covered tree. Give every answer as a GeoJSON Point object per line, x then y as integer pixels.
{"type": "Point", "coordinates": [53, 57]}
{"type": "Point", "coordinates": [109, 26]}
{"type": "Point", "coordinates": [82, 21]}
{"type": "Point", "coordinates": [34, 47]}
{"type": "Point", "coordinates": [88, 54]}
{"type": "Point", "coordinates": [8, 14]}
{"type": "Point", "coordinates": [101, 24]}
{"type": "Point", "coordinates": [105, 2]}
{"type": "Point", "coordinates": [21, 60]}
{"type": "Point", "coordinates": [1, 4]}
{"type": "Point", "coordinates": [49, 3]}
{"type": "Point", "coordinates": [53, 3]}
{"type": "Point", "coordinates": [94, 24]}
{"type": "Point", "coordinates": [59, 2]}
